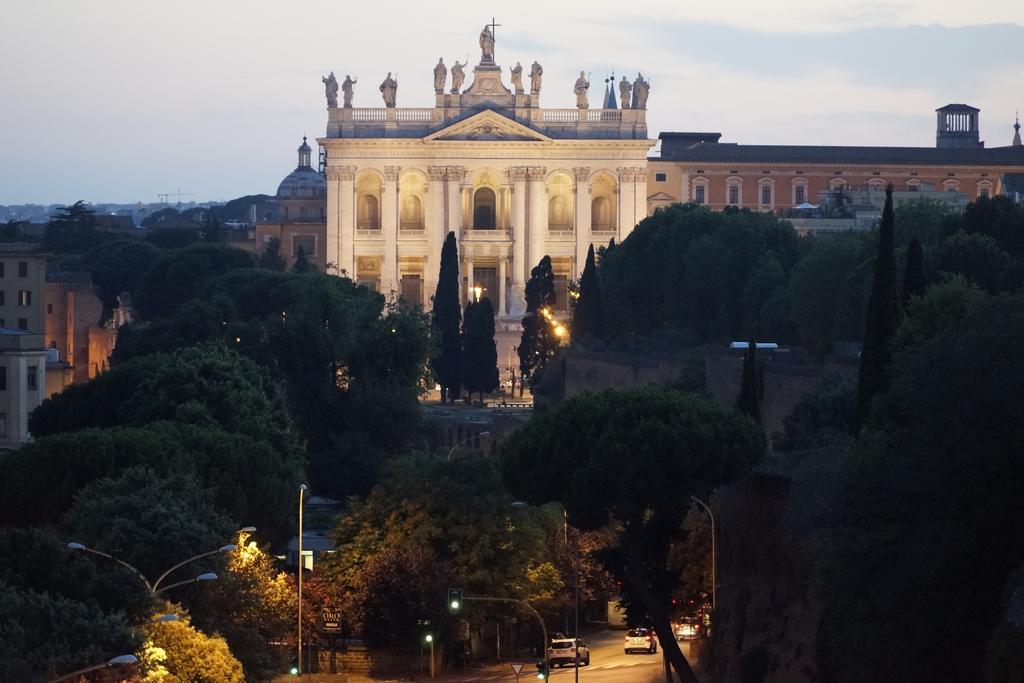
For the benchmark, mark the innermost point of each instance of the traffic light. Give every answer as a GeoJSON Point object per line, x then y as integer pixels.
{"type": "Point", "coordinates": [294, 668]}
{"type": "Point", "coordinates": [454, 600]}
{"type": "Point", "coordinates": [542, 670]}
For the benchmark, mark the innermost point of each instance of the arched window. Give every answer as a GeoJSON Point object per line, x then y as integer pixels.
{"type": "Point", "coordinates": [369, 216]}
{"type": "Point", "coordinates": [600, 215]}
{"type": "Point", "coordinates": [560, 202]}
{"type": "Point", "coordinates": [484, 203]}
{"type": "Point", "coordinates": [412, 213]}
{"type": "Point", "coordinates": [603, 191]}
{"type": "Point", "coordinates": [913, 185]}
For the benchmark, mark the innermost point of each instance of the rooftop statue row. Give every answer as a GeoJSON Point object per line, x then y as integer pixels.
{"type": "Point", "coordinates": [631, 95]}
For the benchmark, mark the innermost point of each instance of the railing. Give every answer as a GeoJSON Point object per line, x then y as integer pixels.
{"type": "Point", "coordinates": [370, 114]}
{"type": "Point", "coordinates": [560, 115]}
{"type": "Point", "coordinates": [561, 234]}
{"type": "Point", "coordinates": [485, 235]}
{"type": "Point", "coordinates": [413, 114]}
{"type": "Point", "coordinates": [369, 232]}
{"type": "Point", "coordinates": [604, 116]}
{"type": "Point", "coordinates": [412, 233]}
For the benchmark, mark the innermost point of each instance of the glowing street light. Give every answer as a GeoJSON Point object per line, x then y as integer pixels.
{"type": "Point", "coordinates": [120, 660]}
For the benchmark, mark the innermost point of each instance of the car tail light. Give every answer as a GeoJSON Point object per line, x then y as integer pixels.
{"type": "Point", "coordinates": [648, 639]}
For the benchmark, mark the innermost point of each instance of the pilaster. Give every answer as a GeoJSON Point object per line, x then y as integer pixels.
{"type": "Point", "coordinates": [502, 285]}
{"type": "Point", "coordinates": [346, 224]}
{"type": "Point", "coordinates": [389, 228]}
{"type": "Point", "coordinates": [517, 176]}
{"type": "Point", "coordinates": [583, 232]}
{"type": "Point", "coordinates": [538, 215]}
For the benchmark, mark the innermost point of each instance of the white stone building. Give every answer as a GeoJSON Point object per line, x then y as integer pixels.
{"type": "Point", "coordinates": [512, 180]}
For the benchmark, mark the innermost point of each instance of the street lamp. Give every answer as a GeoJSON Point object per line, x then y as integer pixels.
{"type": "Point", "coordinates": [465, 441]}
{"type": "Point", "coordinates": [120, 660]}
{"type": "Point", "coordinates": [302, 490]}
{"type": "Point", "coordinates": [154, 588]}
{"type": "Point", "coordinates": [714, 569]}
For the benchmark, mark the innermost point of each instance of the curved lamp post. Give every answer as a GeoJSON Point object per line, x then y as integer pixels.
{"type": "Point", "coordinates": [302, 491]}
{"type": "Point", "coordinates": [154, 588]}
{"type": "Point", "coordinates": [465, 441]}
{"type": "Point", "coordinates": [120, 660]}
{"type": "Point", "coordinates": [714, 572]}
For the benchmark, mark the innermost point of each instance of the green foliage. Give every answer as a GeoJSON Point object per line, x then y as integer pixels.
{"type": "Point", "coordinates": [749, 399]}
{"type": "Point", "coordinates": [588, 312]}
{"type": "Point", "coordinates": [479, 353]}
{"type": "Point", "coordinates": [823, 417]}
{"type": "Point", "coordinates": [302, 264]}
{"type": "Point", "coordinates": [157, 217]}
{"type": "Point", "coordinates": [150, 522]}
{"type": "Point", "coordinates": [43, 636]}
{"type": "Point", "coordinates": [1000, 218]}
{"type": "Point", "coordinates": [118, 266]}
{"type": "Point", "coordinates": [73, 229]}
{"type": "Point", "coordinates": [446, 317]}
{"type": "Point", "coordinates": [687, 268]}
{"type": "Point", "coordinates": [213, 229]}
{"type": "Point", "coordinates": [914, 282]}
{"type": "Point", "coordinates": [882, 316]}
{"type": "Point", "coordinates": [924, 220]}
{"type": "Point", "coordinates": [11, 232]}
{"type": "Point", "coordinates": [180, 276]}
{"type": "Point", "coordinates": [931, 529]}
{"type": "Point", "coordinates": [177, 651]}
{"type": "Point", "coordinates": [538, 343]}
{"type": "Point", "coordinates": [174, 237]}
{"type": "Point", "coordinates": [429, 524]}
{"type": "Point", "coordinates": [271, 258]}
{"type": "Point", "coordinates": [979, 258]}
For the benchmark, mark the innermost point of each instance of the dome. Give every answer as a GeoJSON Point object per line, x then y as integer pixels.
{"type": "Point", "coordinates": [303, 183]}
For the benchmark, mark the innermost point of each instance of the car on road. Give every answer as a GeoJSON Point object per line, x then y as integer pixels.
{"type": "Point", "coordinates": [641, 640]}
{"type": "Point", "coordinates": [688, 628]}
{"type": "Point", "coordinates": [563, 651]}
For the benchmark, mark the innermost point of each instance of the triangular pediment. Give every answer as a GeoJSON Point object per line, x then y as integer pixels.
{"type": "Point", "coordinates": [661, 197]}
{"type": "Point", "coordinates": [487, 125]}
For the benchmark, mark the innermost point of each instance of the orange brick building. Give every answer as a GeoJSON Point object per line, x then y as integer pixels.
{"type": "Point", "coordinates": [697, 167]}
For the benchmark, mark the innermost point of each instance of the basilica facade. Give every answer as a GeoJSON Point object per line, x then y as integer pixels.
{"type": "Point", "coordinates": [512, 180]}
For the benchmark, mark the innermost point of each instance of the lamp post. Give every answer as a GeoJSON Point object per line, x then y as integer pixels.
{"type": "Point", "coordinates": [430, 641]}
{"type": "Point", "coordinates": [154, 588]}
{"type": "Point", "coordinates": [714, 569]}
{"type": "Point", "coordinates": [120, 660]}
{"type": "Point", "coordinates": [465, 441]}
{"type": "Point", "coordinates": [302, 490]}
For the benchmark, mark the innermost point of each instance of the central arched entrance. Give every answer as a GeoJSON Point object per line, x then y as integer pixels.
{"type": "Point", "coordinates": [484, 204]}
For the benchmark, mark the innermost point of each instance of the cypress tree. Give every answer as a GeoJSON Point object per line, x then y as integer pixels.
{"type": "Point", "coordinates": [446, 321]}
{"type": "Point", "coordinates": [271, 258]}
{"type": "Point", "coordinates": [588, 316]}
{"type": "Point", "coordinates": [479, 352]}
{"type": "Point", "coordinates": [538, 343]}
{"type": "Point", "coordinates": [914, 282]}
{"type": "Point", "coordinates": [302, 264]}
{"type": "Point", "coordinates": [881, 318]}
{"type": "Point", "coordinates": [750, 386]}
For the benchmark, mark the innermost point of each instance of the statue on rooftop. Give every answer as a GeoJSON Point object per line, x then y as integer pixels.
{"type": "Point", "coordinates": [458, 76]}
{"type": "Point", "coordinates": [330, 90]}
{"type": "Point", "coordinates": [440, 75]}
{"type": "Point", "coordinates": [625, 88]}
{"type": "Point", "coordinates": [641, 88]}
{"type": "Point", "coordinates": [486, 46]}
{"type": "Point", "coordinates": [536, 71]}
{"type": "Point", "coordinates": [517, 78]}
{"type": "Point", "coordinates": [389, 90]}
{"type": "Point", "coordinates": [580, 88]}
{"type": "Point", "coordinates": [346, 88]}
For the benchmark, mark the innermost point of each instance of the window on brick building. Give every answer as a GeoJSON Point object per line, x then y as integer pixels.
{"type": "Point", "coordinates": [700, 194]}
{"type": "Point", "coordinates": [734, 194]}
{"type": "Point", "coordinates": [32, 377]}
{"type": "Point", "coordinates": [660, 177]}
{"type": "Point", "coordinates": [766, 195]}
{"type": "Point", "coordinates": [24, 297]}
{"type": "Point", "coordinates": [799, 194]}
{"type": "Point", "coordinates": [22, 268]}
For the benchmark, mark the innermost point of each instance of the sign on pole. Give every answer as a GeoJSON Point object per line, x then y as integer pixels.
{"type": "Point", "coordinates": [517, 669]}
{"type": "Point", "coordinates": [330, 620]}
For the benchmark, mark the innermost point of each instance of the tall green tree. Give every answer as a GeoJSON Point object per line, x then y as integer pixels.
{"type": "Point", "coordinates": [181, 275]}
{"type": "Point", "coordinates": [588, 313]}
{"type": "Point", "coordinates": [749, 399]}
{"type": "Point", "coordinates": [881, 318]}
{"type": "Point", "coordinates": [632, 459]}
{"type": "Point", "coordinates": [74, 229]}
{"type": "Point", "coordinates": [302, 263]}
{"type": "Point", "coordinates": [914, 282]}
{"type": "Point", "coordinates": [538, 343]}
{"type": "Point", "coordinates": [271, 258]}
{"type": "Point", "coordinates": [446, 318]}
{"type": "Point", "coordinates": [479, 352]}
{"type": "Point", "coordinates": [213, 229]}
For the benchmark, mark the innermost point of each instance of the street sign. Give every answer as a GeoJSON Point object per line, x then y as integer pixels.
{"type": "Point", "coordinates": [517, 669]}
{"type": "Point", "coordinates": [330, 620]}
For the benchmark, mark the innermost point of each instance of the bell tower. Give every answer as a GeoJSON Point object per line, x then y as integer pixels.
{"type": "Point", "coordinates": [957, 126]}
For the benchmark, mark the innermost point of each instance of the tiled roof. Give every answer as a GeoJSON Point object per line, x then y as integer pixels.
{"type": "Point", "coordinates": [836, 155]}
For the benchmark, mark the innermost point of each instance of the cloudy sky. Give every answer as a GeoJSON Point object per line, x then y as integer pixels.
{"type": "Point", "coordinates": [119, 100]}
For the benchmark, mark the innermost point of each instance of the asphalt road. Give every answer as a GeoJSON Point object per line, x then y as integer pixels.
{"type": "Point", "coordinates": [608, 662]}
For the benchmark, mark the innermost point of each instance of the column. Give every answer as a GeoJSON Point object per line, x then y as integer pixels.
{"type": "Point", "coordinates": [501, 285]}
{"type": "Point", "coordinates": [583, 236]}
{"type": "Point", "coordinates": [627, 189]}
{"type": "Point", "coordinates": [538, 216]}
{"type": "Point", "coordinates": [434, 226]}
{"type": "Point", "coordinates": [640, 174]}
{"type": "Point", "coordinates": [470, 281]}
{"type": "Point", "coordinates": [453, 209]}
{"type": "Point", "coordinates": [389, 285]}
{"type": "Point", "coordinates": [332, 236]}
{"type": "Point", "coordinates": [517, 175]}
{"type": "Point", "coordinates": [347, 221]}
{"type": "Point", "coordinates": [467, 205]}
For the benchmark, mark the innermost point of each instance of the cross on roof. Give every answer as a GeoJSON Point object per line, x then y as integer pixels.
{"type": "Point", "coordinates": [493, 26]}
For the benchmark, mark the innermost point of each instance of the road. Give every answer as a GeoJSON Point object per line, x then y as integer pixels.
{"type": "Point", "coordinates": [608, 663]}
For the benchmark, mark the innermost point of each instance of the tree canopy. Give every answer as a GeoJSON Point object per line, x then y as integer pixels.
{"type": "Point", "coordinates": [446, 317]}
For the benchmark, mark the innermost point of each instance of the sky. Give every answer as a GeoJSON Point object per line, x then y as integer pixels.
{"type": "Point", "coordinates": [121, 100]}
